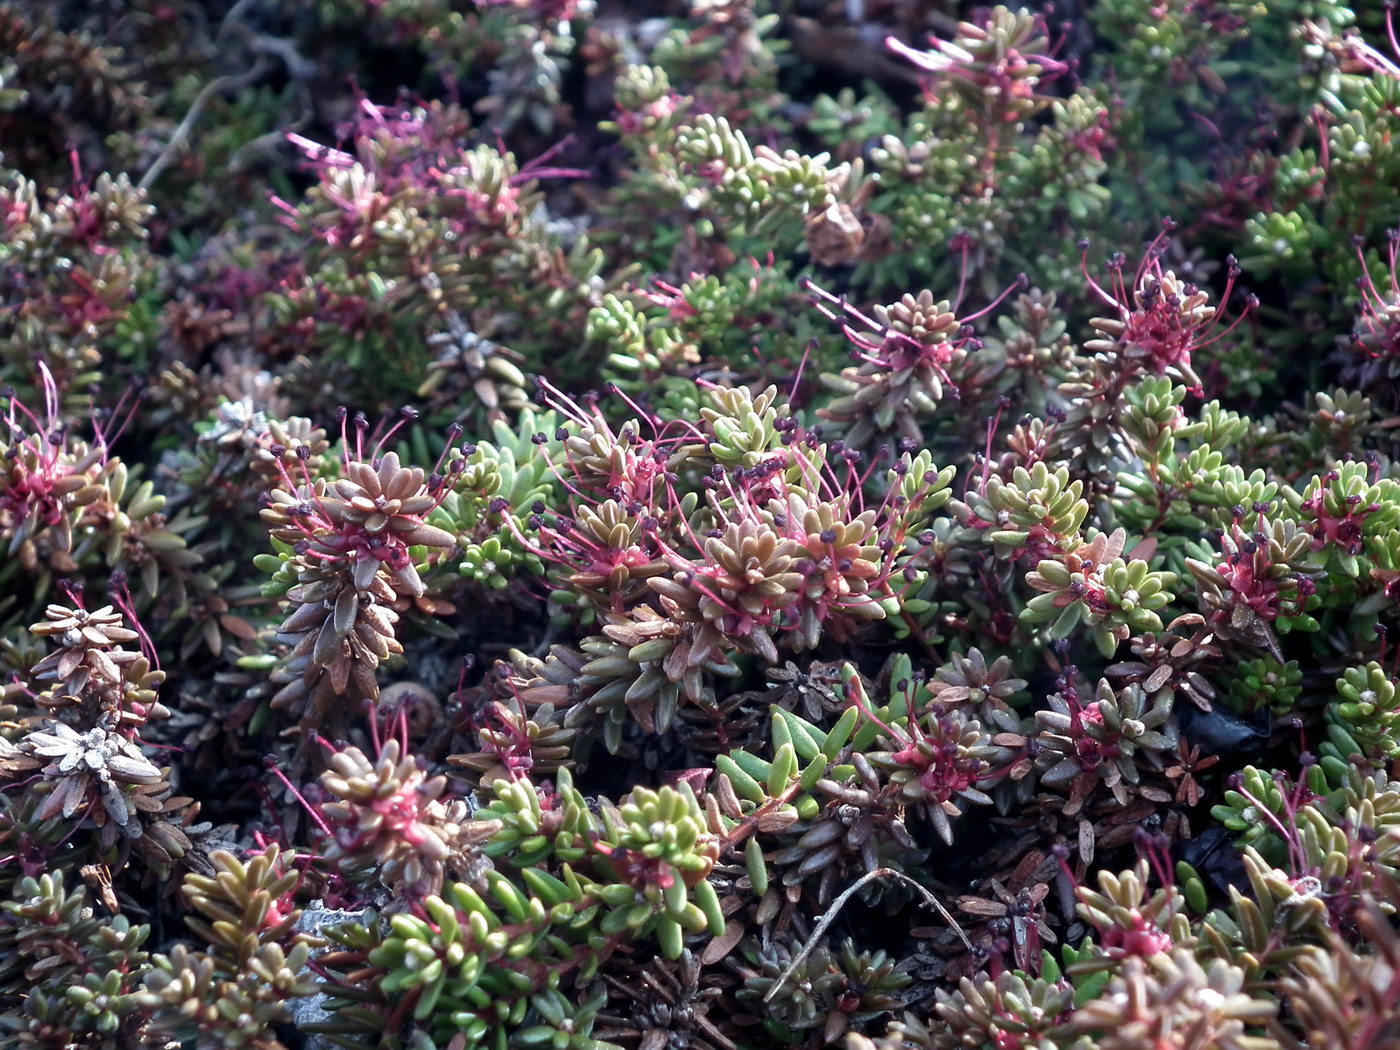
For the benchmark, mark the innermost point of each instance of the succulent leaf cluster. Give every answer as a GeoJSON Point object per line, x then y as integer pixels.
{"type": "Point", "coordinates": [530, 523]}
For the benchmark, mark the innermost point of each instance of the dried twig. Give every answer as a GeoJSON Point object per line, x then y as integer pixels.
{"type": "Point", "coordinates": [182, 132]}
{"type": "Point", "coordinates": [829, 916]}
